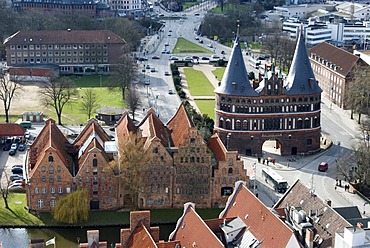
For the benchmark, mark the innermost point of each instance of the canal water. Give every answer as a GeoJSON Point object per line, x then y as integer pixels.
{"type": "Point", "coordinates": [66, 238]}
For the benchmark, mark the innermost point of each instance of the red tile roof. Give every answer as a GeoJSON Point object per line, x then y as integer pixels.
{"type": "Point", "coordinates": [91, 127]}
{"type": "Point", "coordinates": [262, 223]}
{"type": "Point", "coordinates": [140, 237]}
{"type": "Point", "coordinates": [180, 125]}
{"type": "Point", "coordinates": [217, 147]}
{"type": "Point", "coordinates": [50, 137]}
{"type": "Point", "coordinates": [32, 72]}
{"type": "Point", "coordinates": [298, 195]}
{"type": "Point", "coordinates": [124, 126]}
{"type": "Point", "coordinates": [345, 60]}
{"type": "Point", "coordinates": [192, 231]}
{"type": "Point", "coordinates": [152, 127]}
{"type": "Point", "coordinates": [64, 37]}
{"type": "Point", "coordinates": [11, 129]}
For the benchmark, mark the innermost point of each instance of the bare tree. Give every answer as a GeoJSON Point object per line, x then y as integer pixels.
{"type": "Point", "coordinates": [134, 159]}
{"type": "Point", "coordinates": [133, 100]}
{"type": "Point", "coordinates": [8, 90]}
{"type": "Point", "coordinates": [56, 93]}
{"type": "Point", "coordinates": [4, 190]}
{"type": "Point", "coordinates": [358, 93]}
{"type": "Point", "coordinates": [124, 74]}
{"type": "Point", "coordinates": [90, 102]}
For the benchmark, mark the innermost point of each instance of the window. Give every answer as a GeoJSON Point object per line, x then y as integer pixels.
{"type": "Point", "coordinates": [51, 179]}
{"type": "Point", "coordinates": [36, 191]}
{"type": "Point", "coordinates": [43, 190]}
{"type": "Point", "coordinates": [51, 169]}
{"type": "Point", "coordinates": [43, 168]}
{"type": "Point", "coordinates": [43, 178]}
{"type": "Point", "coordinates": [52, 203]}
{"type": "Point", "coordinates": [95, 162]}
{"type": "Point", "coordinates": [52, 190]}
{"type": "Point", "coordinates": [40, 203]}
{"type": "Point", "coordinates": [59, 178]}
{"type": "Point", "coordinates": [59, 168]}
{"type": "Point", "coordinates": [60, 190]}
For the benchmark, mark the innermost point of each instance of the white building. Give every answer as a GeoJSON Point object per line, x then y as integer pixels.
{"type": "Point", "coordinates": [125, 7]}
{"type": "Point", "coordinates": [352, 237]}
{"type": "Point", "coordinates": [302, 11]}
{"type": "Point", "coordinates": [354, 11]}
{"type": "Point", "coordinates": [349, 33]}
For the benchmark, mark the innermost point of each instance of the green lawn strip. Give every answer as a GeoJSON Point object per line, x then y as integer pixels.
{"type": "Point", "coordinates": [198, 83]}
{"type": "Point", "coordinates": [186, 46]}
{"type": "Point", "coordinates": [206, 107]}
{"type": "Point", "coordinates": [72, 113]}
{"type": "Point", "coordinates": [12, 118]}
{"type": "Point", "coordinates": [219, 72]}
{"type": "Point", "coordinates": [187, 5]}
{"type": "Point", "coordinates": [90, 80]}
{"type": "Point", "coordinates": [18, 215]}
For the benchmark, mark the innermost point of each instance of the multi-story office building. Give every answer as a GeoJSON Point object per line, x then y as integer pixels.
{"type": "Point", "coordinates": [72, 51]}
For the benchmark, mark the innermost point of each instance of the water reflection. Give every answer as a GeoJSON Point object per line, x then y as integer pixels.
{"type": "Point", "coordinates": [66, 238]}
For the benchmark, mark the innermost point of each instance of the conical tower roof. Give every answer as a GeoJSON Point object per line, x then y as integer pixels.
{"type": "Point", "coordinates": [301, 79]}
{"type": "Point", "coordinates": [235, 80]}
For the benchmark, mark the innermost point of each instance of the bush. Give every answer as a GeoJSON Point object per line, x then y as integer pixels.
{"type": "Point", "coordinates": [177, 80]}
{"type": "Point", "coordinates": [182, 94]}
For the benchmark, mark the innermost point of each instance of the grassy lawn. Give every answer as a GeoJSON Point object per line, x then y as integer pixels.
{"type": "Point", "coordinates": [206, 107]}
{"type": "Point", "coordinates": [219, 72]}
{"type": "Point", "coordinates": [255, 45]}
{"type": "Point", "coordinates": [187, 5]}
{"type": "Point", "coordinates": [20, 216]}
{"type": "Point", "coordinates": [90, 81]}
{"type": "Point", "coordinates": [198, 83]}
{"type": "Point", "coordinates": [186, 46]}
{"type": "Point", "coordinates": [72, 113]}
{"type": "Point", "coordinates": [12, 118]}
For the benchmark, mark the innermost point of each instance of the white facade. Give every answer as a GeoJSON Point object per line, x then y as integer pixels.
{"type": "Point", "coordinates": [314, 34]}
{"type": "Point", "coordinates": [125, 6]}
{"type": "Point", "coordinates": [301, 11]}
{"type": "Point", "coordinates": [348, 33]}
{"type": "Point", "coordinates": [360, 11]}
{"type": "Point", "coordinates": [352, 237]}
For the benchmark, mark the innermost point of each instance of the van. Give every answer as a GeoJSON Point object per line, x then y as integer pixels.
{"type": "Point", "coordinates": [323, 166]}
{"type": "Point", "coordinates": [25, 124]}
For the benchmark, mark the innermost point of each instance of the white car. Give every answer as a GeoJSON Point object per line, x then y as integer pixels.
{"type": "Point", "coordinates": [27, 135]}
{"type": "Point", "coordinates": [14, 146]}
{"type": "Point", "coordinates": [167, 73]}
{"type": "Point", "coordinates": [171, 92]}
{"type": "Point", "coordinates": [15, 187]}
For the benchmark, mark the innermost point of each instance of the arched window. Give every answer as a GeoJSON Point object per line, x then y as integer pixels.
{"type": "Point", "coordinates": [230, 171]}
{"type": "Point", "coordinates": [299, 123]}
{"type": "Point", "coordinates": [51, 159]}
{"type": "Point", "coordinates": [95, 162]}
{"type": "Point", "coordinates": [237, 125]}
{"type": "Point", "coordinates": [221, 123]}
{"type": "Point", "coordinates": [228, 124]}
{"type": "Point", "coordinates": [306, 123]}
{"type": "Point", "coordinates": [245, 125]}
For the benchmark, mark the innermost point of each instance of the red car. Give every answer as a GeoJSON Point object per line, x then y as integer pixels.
{"type": "Point", "coordinates": [323, 166]}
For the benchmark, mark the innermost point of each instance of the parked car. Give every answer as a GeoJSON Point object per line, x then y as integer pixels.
{"type": "Point", "coordinates": [152, 69]}
{"type": "Point", "coordinates": [15, 187]}
{"type": "Point", "coordinates": [188, 58]}
{"type": "Point", "coordinates": [147, 66]}
{"type": "Point", "coordinates": [156, 57]}
{"type": "Point", "coordinates": [17, 170]}
{"type": "Point", "coordinates": [205, 58]}
{"type": "Point", "coordinates": [147, 82]}
{"type": "Point", "coordinates": [195, 57]}
{"type": "Point", "coordinates": [22, 182]}
{"type": "Point", "coordinates": [27, 135]}
{"type": "Point", "coordinates": [174, 58]}
{"type": "Point", "coordinates": [14, 177]}
{"type": "Point", "coordinates": [14, 146]}
{"type": "Point", "coordinates": [21, 147]}
{"type": "Point", "coordinates": [167, 73]}
{"type": "Point", "coordinates": [17, 140]}
{"type": "Point", "coordinates": [12, 152]}
{"type": "Point", "coordinates": [323, 166]}
{"type": "Point", "coordinates": [7, 147]}
{"type": "Point", "coordinates": [171, 92]}
{"type": "Point", "coordinates": [17, 165]}
{"type": "Point", "coordinates": [200, 41]}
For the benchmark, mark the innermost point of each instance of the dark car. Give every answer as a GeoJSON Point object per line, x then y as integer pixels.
{"type": "Point", "coordinates": [7, 146]}
{"type": "Point", "coordinates": [12, 152]}
{"type": "Point", "coordinates": [156, 57]}
{"type": "Point", "coordinates": [195, 57]}
{"type": "Point", "coordinates": [17, 170]}
{"type": "Point", "coordinates": [21, 147]}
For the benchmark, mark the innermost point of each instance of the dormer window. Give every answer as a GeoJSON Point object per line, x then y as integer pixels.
{"type": "Point", "coordinates": [233, 86]}
{"type": "Point", "coordinates": [51, 159]}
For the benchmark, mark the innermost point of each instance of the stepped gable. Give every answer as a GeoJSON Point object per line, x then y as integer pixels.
{"type": "Point", "coordinates": [92, 127]}
{"type": "Point", "coordinates": [140, 237]}
{"type": "Point", "coordinates": [192, 231]}
{"type": "Point", "coordinates": [217, 147]}
{"type": "Point", "coordinates": [50, 137]}
{"type": "Point", "coordinates": [326, 221]}
{"type": "Point", "coordinates": [301, 79]}
{"type": "Point", "coordinates": [152, 127]}
{"type": "Point", "coordinates": [235, 80]}
{"type": "Point", "coordinates": [260, 221]}
{"type": "Point", "coordinates": [180, 125]}
{"type": "Point", "coordinates": [124, 126]}
{"type": "Point", "coordinates": [343, 60]}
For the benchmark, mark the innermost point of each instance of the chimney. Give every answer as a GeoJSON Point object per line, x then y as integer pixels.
{"type": "Point", "coordinates": [309, 238]}
{"type": "Point", "coordinates": [360, 225]}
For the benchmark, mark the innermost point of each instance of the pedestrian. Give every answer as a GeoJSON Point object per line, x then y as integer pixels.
{"type": "Point", "coordinates": [267, 162]}
{"type": "Point", "coordinates": [257, 194]}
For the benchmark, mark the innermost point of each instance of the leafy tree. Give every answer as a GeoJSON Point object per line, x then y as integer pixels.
{"type": "Point", "coordinates": [90, 102]}
{"type": "Point", "coordinates": [133, 101]}
{"type": "Point", "coordinates": [8, 90]}
{"type": "Point", "coordinates": [124, 74]}
{"type": "Point", "coordinates": [72, 208]}
{"type": "Point", "coordinates": [56, 93]}
{"type": "Point", "coordinates": [134, 159]}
